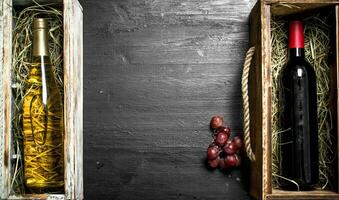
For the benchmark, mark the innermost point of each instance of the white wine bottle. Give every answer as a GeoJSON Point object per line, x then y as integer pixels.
{"type": "Point", "coordinates": [43, 126]}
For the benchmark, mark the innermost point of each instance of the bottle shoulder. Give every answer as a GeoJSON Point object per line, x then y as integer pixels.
{"type": "Point", "coordinates": [297, 66]}
{"type": "Point", "coordinates": [296, 71]}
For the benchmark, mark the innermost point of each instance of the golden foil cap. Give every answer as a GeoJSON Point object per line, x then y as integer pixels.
{"type": "Point", "coordinates": [39, 23]}
{"type": "Point", "coordinates": [40, 37]}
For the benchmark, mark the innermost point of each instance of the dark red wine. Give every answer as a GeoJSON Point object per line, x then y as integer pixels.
{"type": "Point", "coordinates": [299, 141]}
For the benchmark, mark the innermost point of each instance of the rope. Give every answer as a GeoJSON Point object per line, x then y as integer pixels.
{"type": "Point", "coordinates": [246, 109]}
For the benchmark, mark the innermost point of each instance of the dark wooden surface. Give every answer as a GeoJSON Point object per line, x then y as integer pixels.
{"type": "Point", "coordinates": [155, 72]}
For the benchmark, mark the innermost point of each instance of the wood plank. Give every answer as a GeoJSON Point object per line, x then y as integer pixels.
{"type": "Point", "coordinates": [73, 99]}
{"type": "Point", "coordinates": [267, 96]}
{"type": "Point", "coordinates": [131, 16]}
{"type": "Point", "coordinates": [145, 176]}
{"type": "Point", "coordinates": [177, 45]}
{"type": "Point", "coordinates": [335, 88]}
{"type": "Point", "coordinates": [281, 9]}
{"type": "Point", "coordinates": [318, 194]}
{"type": "Point", "coordinates": [37, 196]}
{"type": "Point", "coordinates": [301, 1]}
{"type": "Point", "coordinates": [6, 99]}
{"type": "Point", "coordinates": [2, 136]}
{"type": "Point", "coordinates": [255, 98]}
{"type": "Point", "coordinates": [146, 121]}
{"type": "Point", "coordinates": [209, 35]}
{"type": "Point", "coordinates": [30, 2]}
{"type": "Point", "coordinates": [78, 100]}
{"type": "Point", "coordinates": [148, 56]}
{"type": "Point", "coordinates": [171, 96]}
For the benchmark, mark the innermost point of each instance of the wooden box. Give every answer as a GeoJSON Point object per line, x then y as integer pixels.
{"type": "Point", "coordinates": [260, 94]}
{"type": "Point", "coordinates": [73, 97]}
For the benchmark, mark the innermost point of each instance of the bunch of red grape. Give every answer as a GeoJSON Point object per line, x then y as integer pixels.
{"type": "Point", "coordinates": [224, 151]}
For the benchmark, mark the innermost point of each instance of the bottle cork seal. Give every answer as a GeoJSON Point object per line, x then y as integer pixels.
{"type": "Point", "coordinates": [40, 37]}
{"type": "Point", "coordinates": [40, 23]}
{"type": "Point", "coordinates": [296, 34]}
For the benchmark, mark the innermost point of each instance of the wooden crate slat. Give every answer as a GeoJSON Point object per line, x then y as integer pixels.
{"type": "Point", "coordinates": [1, 102]}
{"type": "Point", "coordinates": [267, 96]}
{"type": "Point", "coordinates": [5, 108]}
{"type": "Point", "coordinates": [315, 194]}
{"type": "Point", "coordinates": [255, 101]}
{"type": "Point", "coordinates": [38, 196]}
{"type": "Point", "coordinates": [337, 83]}
{"type": "Point", "coordinates": [30, 2]}
{"type": "Point", "coordinates": [300, 1]}
{"type": "Point", "coordinates": [73, 84]}
{"type": "Point", "coordinates": [78, 98]}
{"type": "Point", "coordinates": [69, 150]}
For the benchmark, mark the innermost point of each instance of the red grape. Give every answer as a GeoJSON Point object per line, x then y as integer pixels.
{"type": "Point", "coordinates": [222, 152]}
{"type": "Point", "coordinates": [230, 148]}
{"type": "Point", "coordinates": [212, 152]}
{"type": "Point", "coordinates": [231, 160]}
{"type": "Point", "coordinates": [216, 122]}
{"type": "Point", "coordinates": [221, 139]}
{"type": "Point", "coordinates": [214, 163]}
{"type": "Point", "coordinates": [224, 129]}
{"type": "Point", "coordinates": [237, 141]}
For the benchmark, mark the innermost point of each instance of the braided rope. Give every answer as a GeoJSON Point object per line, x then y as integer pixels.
{"type": "Point", "coordinates": [246, 109]}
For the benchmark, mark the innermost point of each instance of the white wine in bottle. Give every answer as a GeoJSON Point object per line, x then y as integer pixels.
{"type": "Point", "coordinates": [43, 126]}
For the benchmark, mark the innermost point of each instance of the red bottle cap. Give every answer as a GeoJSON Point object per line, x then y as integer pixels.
{"type": "Point", "coordinates": [296, 36]}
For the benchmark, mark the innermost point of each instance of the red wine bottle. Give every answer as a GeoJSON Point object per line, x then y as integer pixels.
{"type": "Point", "coordinates": [299, 140]}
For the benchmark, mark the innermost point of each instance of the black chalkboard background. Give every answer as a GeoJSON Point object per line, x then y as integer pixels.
{"type": "Point", "coordinates": [155, 72]}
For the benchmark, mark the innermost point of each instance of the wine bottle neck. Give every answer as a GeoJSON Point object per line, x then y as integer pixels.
{"type": "Point", "coordinates": [40, 37]}
{"type": "Point", "coordinates": [296, 53]}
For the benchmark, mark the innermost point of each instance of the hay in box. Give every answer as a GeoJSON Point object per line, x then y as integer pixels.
{"type": "Point", "coordinates": [318, 51]}
{"type": "Point", "coordinates": [22, 58]}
